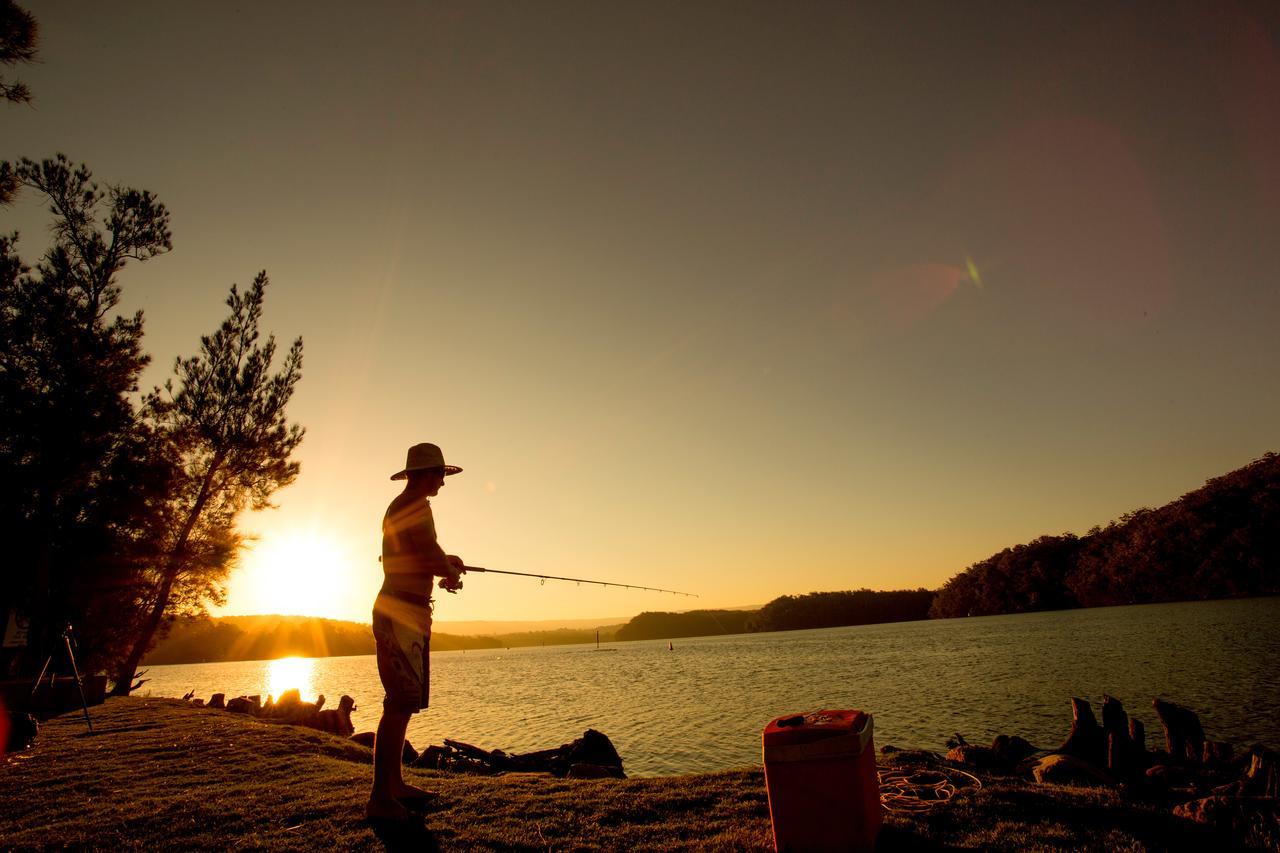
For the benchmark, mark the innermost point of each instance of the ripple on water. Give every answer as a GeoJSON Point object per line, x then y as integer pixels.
{"type": "Point", "coordinates": [702, 706]}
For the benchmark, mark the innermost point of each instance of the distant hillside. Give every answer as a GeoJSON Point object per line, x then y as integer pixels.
{"type": "Point", "coordinates": [836, 609]}
{"type": "Point", "coordinates": [787, 613]}
{"type": "Point", "coordinates": [1220, 541]}
{"type": "Point", "coordinates": [692, 623]}
{"type": "Point", "coordinates": [267, 637]}
{"type": "Point", "coordinates": [496, 628]}
{"type": "Point", "coordinates": [259, 638]}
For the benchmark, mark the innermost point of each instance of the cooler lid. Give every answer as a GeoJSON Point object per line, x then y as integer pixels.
{"type": "Point", "coordinates": [813, 726]}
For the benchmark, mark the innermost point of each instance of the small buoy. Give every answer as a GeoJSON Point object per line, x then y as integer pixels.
{"type": "Point", "coordinates": [671, 647]}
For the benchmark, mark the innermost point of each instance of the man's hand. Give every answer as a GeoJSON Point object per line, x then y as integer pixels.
{"type": "Point", "coordinates": [452, 582]}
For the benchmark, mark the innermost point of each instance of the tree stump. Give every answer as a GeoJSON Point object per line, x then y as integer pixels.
{"type": "Point", "coordinates": [1183, 735]}
{"type": "Point", "coordinates": [1087, 741]}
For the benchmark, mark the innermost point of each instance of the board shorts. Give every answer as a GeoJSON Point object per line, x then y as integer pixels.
{"type": "Point", "coordinates": [402, 632]}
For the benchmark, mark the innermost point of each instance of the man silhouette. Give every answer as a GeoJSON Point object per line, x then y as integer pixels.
{"type": "Point", "coordinates": [411, 560]}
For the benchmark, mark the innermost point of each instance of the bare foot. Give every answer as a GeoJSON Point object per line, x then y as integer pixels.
{"type": "Point", "coordinates": [412, 793]}
{"type": "Point", "coordinates": [387, 808]}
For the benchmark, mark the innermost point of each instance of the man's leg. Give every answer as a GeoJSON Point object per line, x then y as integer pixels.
{"type": "Point", "coordinates": [388, 752]}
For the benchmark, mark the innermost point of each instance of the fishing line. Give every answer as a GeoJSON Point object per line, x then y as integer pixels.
{"type": "Point", "coordinates": [578, 581]}
{"type": "Point", "coordinates": [916, 791]}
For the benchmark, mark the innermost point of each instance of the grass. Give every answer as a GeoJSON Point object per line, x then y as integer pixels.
{"type": "Point", "coordinates": [160, 773]}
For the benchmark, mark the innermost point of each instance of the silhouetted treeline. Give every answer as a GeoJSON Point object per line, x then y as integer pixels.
{"type": "Point", "coordinates": [834, 609]}
{"type": "Point", "coordinates": [1220, 541]}
{"type": "Point", "coordinates": [260, 638]}
{"type": "Point", "coordinates": [694, 623]}
{"type": "Point", "coordinates": [555, 637]}
{"type": "Point", "coordinates": [200, 639]}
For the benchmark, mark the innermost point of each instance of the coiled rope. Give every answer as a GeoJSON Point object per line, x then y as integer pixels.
{"type": "Point", "coordinates": [914, 791]}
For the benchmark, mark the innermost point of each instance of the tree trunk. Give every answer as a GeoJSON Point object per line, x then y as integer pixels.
{"type": "Point", "coordinates": [129, 668]}
{"type": "Point", "coordinates": [173, 562]}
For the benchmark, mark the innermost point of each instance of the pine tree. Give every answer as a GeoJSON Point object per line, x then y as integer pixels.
{"type": "Point", "coordinates": [225, 421]}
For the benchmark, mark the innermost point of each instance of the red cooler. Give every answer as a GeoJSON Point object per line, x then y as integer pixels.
{"type": "Point", "coordinates": [820, 773]}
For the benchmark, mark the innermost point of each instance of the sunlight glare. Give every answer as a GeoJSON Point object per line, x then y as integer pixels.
{"type": "Point", "coordinates": [299, 574]}
{"type": "Point", "coordinates": [287, 673]}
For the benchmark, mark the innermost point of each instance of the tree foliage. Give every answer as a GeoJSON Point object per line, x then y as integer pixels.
{"type": "Point", "coordinates": [120, 513]}
{"type": "Point", "coordinates": [83, 479]}
{"type": "Point", "coordinates": [19, 35]}
{"type": "Point", "coordinates": [225, 422]}
{"type": "Point", "coordinates": [1221, 540]}
{"type": "Point", "coordinates": [834, 609]}
{"type": "Point", "coordinates": [694, 623]}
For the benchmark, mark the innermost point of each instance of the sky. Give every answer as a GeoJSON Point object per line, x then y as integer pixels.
{"type": "Point", "coordinates": [738, 299]}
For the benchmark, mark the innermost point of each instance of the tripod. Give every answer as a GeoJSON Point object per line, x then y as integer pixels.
{"type": "Point", "coordinates": [68, 641]}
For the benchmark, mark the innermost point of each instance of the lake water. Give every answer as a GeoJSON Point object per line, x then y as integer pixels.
{"type": "Point", "coordinates": [701, 706]}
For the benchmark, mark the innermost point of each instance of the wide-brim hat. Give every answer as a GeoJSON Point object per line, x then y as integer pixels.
{"type": "Point", "coordinates": [422, 456]}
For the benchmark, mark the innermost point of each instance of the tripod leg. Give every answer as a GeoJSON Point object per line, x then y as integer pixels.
{"type": "Point", "coordinates": [84, 703]}
{"type": "Point", "coordinates": [40, 677]}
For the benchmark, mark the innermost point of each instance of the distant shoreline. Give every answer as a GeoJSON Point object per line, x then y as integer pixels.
{"type": "Point", "coordinates": [352, 639]}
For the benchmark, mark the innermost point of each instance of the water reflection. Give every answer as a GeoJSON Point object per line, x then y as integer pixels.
{"type": "Point", "coordinates": [702, 706]}
{"type": "Point", "coordinates": [287, 673]}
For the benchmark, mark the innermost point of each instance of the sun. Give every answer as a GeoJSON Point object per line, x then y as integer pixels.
{"type": "Point", "coordinates": [297, 574]}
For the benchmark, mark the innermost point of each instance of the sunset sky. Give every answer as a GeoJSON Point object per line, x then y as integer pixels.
{"type": "Point", "coordinates": [743, 299]}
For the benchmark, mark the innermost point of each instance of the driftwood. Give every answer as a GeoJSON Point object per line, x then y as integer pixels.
{"type": "Point", "coordinates": [590, 756]}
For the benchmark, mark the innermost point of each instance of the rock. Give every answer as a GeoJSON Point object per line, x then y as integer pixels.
{"type": "Point", "coordinates": [408, 754]}
{"type": "Point", "coordinates": [1068, 770]}
{"type": "Point", "coordinates": [22, 731]}
{"type": "Point", "coordinates": [973, 755]}
{"type": "Point", "coordinates": [198, 703]}
{"type": "Point", "coordinates": [218, 700]}
{"type": "Point", "coordinates": [595, 748]}
{"type": "Point", "coordinates": [243, 705]}
{"type": "Point", "coordinates": [1245, 818]}
{"type": "Point", "coordinates": [1171, 775]}
{"type": "Point", "coordinates": [1011, 749]}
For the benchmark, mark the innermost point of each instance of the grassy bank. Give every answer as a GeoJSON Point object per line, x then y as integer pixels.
{"type": "Point", "coordinates": [159, 773]}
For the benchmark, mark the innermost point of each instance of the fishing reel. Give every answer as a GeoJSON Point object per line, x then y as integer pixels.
{"type": "Point", "coordinates": [449, 584]}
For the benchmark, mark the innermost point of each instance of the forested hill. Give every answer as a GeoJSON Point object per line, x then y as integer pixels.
{"type": "Point", "coordinates": [196, 640]}
{"type": "Point", "coordinates": [1220, 541]}
{"type": "Point", "coordinates": [268, 637]}
{"type": "Point", "coordinates": [787, 613]}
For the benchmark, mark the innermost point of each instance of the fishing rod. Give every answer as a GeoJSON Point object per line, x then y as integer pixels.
{"type": "Point", "coordinates": [577, 580]}
{"type": "Point", "coordinates": [546, 578]}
